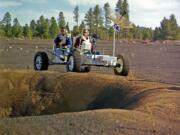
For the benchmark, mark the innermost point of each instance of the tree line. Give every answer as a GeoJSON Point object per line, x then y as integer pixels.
{"type": "Point", "coordinates": [97, 20]}
{"type": "Point", "coordinates": [42, 28]}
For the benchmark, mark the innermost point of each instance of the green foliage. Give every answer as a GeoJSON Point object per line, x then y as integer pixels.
{"type": "Point", "coordinates": [33, 27]}
{"type": "Point", "coordinates": [107, 11]}
{"type": "Point", "coordinates": [94, 19]}
{"type": "Point", "coordinates": [110, 32]}
{"type": "Point", "coordinates": [125, 9]}
{"type": "Point", "coordinates": [165, 29]}
{"type": "Point", "coordinates": [122, 18]}
{"type": "Point", "coordinates": [27, 32]}
{"type": "Point", "coordinates": [122, 8]}
{"type": "Point", "coordinates": [53, 29]}
{"type": "Point", "coordinates": [75, 31]}
{"type": "Point", "coordinates": [178, 34]}
{"type": "Point", "coordinates": [89, 19]}
{"type": "Point", "coordinates": [61, 20]}
{"type": "Point", "coordinates": [82, 26]}
{"type": "Point", "coordinates": [17, 30]}
{"type": "Point", "coordinates": [2, 32]}
{"type": "Point", "coordinates": [119, 6]}
{"type": "Point", "coordinates": [42, 27]}
{"type": "Point", "coordinates": [157, 34]}
{"type": "Point", "coordinates": [169, 28]}
{"type": "Point", "coordinates": [6, 21]}
{"type": "Point", "coordinates": [147, 33]}
{"type": "Point", "coordinates": [98, 19]}
{"type": "Point", "coordinates": [76, 15]}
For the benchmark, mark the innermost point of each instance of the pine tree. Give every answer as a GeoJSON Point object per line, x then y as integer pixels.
{"type": "Point", "coordinates": [125, 9]}
{"type": "Point", "coordinates": [107, 15]}
{"type": "Point", "coordinates": [165, 29]}
{"type": "Point", "coordinates": [2, 32]}
{"type": "Point", "coordinates": [178, 34]}
{"type": "Point", "coordinates": [137, 32]}
{"type": "Point", "coordinates": [61, 20]}
{"type": "Point", "coordinates": [147, 33]}
{"type": "Point", "coordinates": [76, 15]}
{"type": "Point", "coordinates": [76, 31]}
{"type": "Point", "coordinates": [110, 33]}
{"type": "Point", "coordinates": [122, 9]}
{"type": "Point", "coordinates": [33, 27]}
{"type": "Point", "coordinates": [174, 26]}
{"type": "Point", "coordinates": [157, 34]}
{"type": "Point", "coordinates": [27, 31]}
{"type": "Point", "coordinates": [119, 7]}
{"type": "Point", "coordinates": [89, 19]}
{"type": "Point", "coordinates": [169, 28]}
{"type": "Point", "coordinates": [16, 29]}
{"type": "Point", "coordinates": [98, 19]}
{"type": "Point", "coordinates": [125, 13]}
{"type": "Point", "coordinates": [53, 29]}
{"type": "Point", "coordinates": [42, 28]}
{"type": "Point", "coordinates": [6, 21]}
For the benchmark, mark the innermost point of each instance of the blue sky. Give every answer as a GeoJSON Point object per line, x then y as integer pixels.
{"type": "Point", "coordinates": [147, 13]}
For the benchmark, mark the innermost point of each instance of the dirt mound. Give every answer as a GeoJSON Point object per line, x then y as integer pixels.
{"type": "Point", "coordinates": [34, 93]}
{"type": "Point", "coordinates": [100, 122]}
{"type": "Point", "coordinates": [148, 107]}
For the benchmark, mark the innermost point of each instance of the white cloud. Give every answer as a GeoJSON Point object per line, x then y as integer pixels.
{"type": "Point", "coordinates": [15, 3]}
{"type": "Point", "coordinates": [33, 1]}
{"type": "Point", "coordinates": [91, 2]}
{"type": "Point", "coordinates": [154, 4]}
{"type": "Point", "coordinates": [84, 2]}
{"type": "Point", "coordinates": [150, 12]}
{"type": "Point", "coordinates": [147, 13]}
{"type": "Point", "coordinates": [5, 4]}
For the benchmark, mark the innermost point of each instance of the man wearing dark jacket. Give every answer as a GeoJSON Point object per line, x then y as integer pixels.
{"type": "Point", "coordinates": [63, 39]}
{"type": "Point", "coordinates": [62, 42]}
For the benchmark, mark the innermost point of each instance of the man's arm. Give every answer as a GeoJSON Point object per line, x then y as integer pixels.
{"type": "Point", "coordinates": [57, 41]}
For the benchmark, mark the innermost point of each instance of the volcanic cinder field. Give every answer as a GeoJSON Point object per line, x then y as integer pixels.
{"type": "Point", "coordinates": [54, 102]}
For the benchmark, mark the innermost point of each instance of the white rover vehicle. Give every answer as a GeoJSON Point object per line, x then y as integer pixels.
{"type": "Point", "coordinates": [80, 60]}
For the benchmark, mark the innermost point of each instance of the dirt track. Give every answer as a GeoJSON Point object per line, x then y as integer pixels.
{"type": "Point", "coordinates": [137, 104]}
{"type": "Point", "coordinates": [101, 122]}
{"type": "Point", "coordinates": [153, 62]}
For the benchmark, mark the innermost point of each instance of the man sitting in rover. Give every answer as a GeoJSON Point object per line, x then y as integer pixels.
{"type": "Point", "coordinates": [62, 42]}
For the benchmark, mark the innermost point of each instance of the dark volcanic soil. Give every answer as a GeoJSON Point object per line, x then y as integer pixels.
{"type": "Point", "coordinates": [130, 106]}
{"type": "Point", "coordinates": [152, 62]}
{"type": "Point", "coordinates": [93, 103]}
